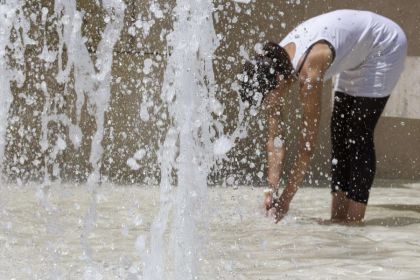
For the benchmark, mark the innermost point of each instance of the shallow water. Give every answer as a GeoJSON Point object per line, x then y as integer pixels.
{"type": "Point", "coordinates": [41, 229]}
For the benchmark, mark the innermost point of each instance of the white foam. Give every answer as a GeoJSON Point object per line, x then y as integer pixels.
{"type": "Point", "coordinates": [222, 145]}
{"type": "Point", "coordinates": [132, 163]}
{"type": "Point", "coordinates": [139, 155]}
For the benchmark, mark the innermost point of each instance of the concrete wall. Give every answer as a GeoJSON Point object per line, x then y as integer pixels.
{"type": "Point", "coordinates": [134, 119]}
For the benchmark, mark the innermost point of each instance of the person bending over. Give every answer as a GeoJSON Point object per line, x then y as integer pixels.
{"type": "Point", "coordinates": [367, 51]}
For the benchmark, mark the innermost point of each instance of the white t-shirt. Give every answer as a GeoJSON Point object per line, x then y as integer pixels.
{"type": "Point", "coordinates": [369, 49]}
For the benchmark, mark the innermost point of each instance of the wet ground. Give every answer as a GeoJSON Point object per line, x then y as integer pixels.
{"type": "Point", "coordinates": [42, 234]}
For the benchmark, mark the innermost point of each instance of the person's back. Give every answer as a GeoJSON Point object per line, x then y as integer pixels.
{"type": "Point", "coordinates": [355, 36]}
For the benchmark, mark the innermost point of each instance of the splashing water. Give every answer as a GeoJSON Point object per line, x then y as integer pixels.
{"type": "Point", "coordinates": [94, 80]}
{"type": "Point", "coordinates": [188, 90]}
{"type": "Point", "coordinates": [189, 149]}
{"type": "Point", "coordinates": [9, 18]}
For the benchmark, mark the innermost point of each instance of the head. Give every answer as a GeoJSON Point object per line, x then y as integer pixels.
{"type": "Point", "coordinates": [264, 73]}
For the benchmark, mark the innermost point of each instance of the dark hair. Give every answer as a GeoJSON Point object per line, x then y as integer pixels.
{"type": "Point", "coordinates": [260, 75]}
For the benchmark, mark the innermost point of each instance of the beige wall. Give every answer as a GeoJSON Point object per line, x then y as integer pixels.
{"type": "Point", "coordinates": [126, 131]}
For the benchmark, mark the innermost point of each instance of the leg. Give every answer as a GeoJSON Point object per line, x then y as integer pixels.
{"type": "Point", "coordinates": [355, 211]}
{"type": "Point", "coordinates": [345, 210]}
{"type": "Point", "coordinates": [365, 115]}
{"type": "Point", "coordinates": [339, 157]}
{"type": "Point", "coordinates": [339, 207]}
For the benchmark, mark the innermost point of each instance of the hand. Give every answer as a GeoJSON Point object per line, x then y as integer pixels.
{"type": "Point", "coordinates": [282, 207]}
{"type": "Point", "coordinates": [268, 200]}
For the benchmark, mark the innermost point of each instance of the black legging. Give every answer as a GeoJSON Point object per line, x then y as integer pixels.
{"type": "Point", "coordinates": [353, 162]}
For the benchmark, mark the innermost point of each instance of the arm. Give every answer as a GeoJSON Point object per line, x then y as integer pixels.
{"type": "Point", "coordinates": [311, 80]}
{"type": "Point", "coordinates": [310, 93]}
{"type": "Point", "coordinates": [311, 84]}
{"type": "Point", "coordinates": [275, 147]}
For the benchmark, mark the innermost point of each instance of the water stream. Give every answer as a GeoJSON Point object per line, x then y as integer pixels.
{"type": "Point", "coordinates": [189, 91]}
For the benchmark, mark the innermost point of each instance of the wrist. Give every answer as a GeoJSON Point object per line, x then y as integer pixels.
{"type": "Point", "coordinates": [271, 191]}
{"type": "Point", "coordinates": [268, 191]}
{"type": "Point", "coordinates": [289, 192]}
{"type": "Point", "coordinates": [274, 187]}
